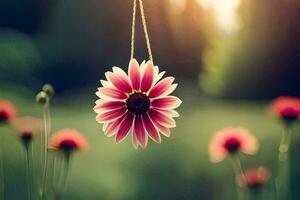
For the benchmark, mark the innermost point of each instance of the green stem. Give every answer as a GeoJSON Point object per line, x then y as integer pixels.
{"type": "Point", "coordinates": [27, 160]}
{"type": "Point", "coordinates": [41, 165]}
{"type": "Point", "coordinates": [32, 163]}
{"type": "Point", "coordinates": [2, 172]}
{"type": "Point", "coordinates": [237, 167]}
{"type": "Point", "coordinates": [64, 175]}
{"type": "Point", "coordinates": [256, 195]}
{"type": "Point", "coordinates": [41, 161]}
{"type": "Point", "coordinates": [283, 180]}
{"type": "Point", "coordinates": [54, 172]}
{"type": "Point", "coordinates": [57, 174]}
{"type": "Point", "coordinates": [46, 115]}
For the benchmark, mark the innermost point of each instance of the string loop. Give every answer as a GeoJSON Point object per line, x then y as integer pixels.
{"type": "Point", "coordinates": [143, 17]}
{"type": "Point", "coordinates": [133, 29]}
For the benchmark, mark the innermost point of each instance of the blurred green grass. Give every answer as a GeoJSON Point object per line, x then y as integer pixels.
{"type": "Point", "coordinates": [179, 168]}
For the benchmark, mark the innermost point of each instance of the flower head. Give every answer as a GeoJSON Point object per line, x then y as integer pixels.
{"type": "Point", "coordinates": [68, 140]}
{"type": "Point", "coordinates": [286, 108]}
{"type": "Point", "coordinates": [7, 111]}
{"type": "Point", "coordinates": [139, 102]}
{"type": "Point", "coordinates": [230, 141]}
{"type": "Point", "coordinates": [27, 127]}
{"type": "Point", "coordinates": [255, 178]}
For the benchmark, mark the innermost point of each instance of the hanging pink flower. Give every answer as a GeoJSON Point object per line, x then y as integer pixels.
{"type": "Point", "coordinates": [139, 102]}
{"type": "Point", "coordinates": [7, 111]}
{"type": "Point", "coordinates": [286, 108]}
{"type": "Point", "coordinates": [231, 141]}
{"type": "Point", "coordinates": [255, 178]}
{"type": "Point", "coordinates": [68, 140]}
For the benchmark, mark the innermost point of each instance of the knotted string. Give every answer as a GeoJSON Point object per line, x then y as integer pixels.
{"type": "Point", "coordinates": [144, 27]}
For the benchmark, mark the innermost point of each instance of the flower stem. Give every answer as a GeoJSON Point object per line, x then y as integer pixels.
{"type": "Point", "coordinates": [64, 175]}
{"type": "Point", "coordinates": [237, 167]}
{"type": "Point", "coordinates": [283, 180]}
{"type": "Point", "coordinates": [257, 195]}
{"type": "Point", "coordinates": [46, 115]}
{"type": "Point", "coordinates": [41, 165]}
{"type": "Point", "coordinates": [57, 174]}
{"type": "Point", "coordinates": [2, 172]}
{"type": "Point", "coordinates": [32, 167]}
{"type": "Point", "coordinates": [27, 160]}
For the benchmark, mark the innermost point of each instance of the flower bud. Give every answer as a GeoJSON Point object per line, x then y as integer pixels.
{"type": "Point", "coordinates": [49, 90]}
{"type": "Point", "coordinates": [42, 98]}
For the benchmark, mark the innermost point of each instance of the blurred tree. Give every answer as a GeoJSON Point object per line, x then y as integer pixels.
{"type": "Point", "coordinates": [89, 37]}
{"type": "Point", "coordinates": [19, 57]}
{"type": "Point", "coordinates": [95, 35]}
{"type": "Point", "coordinates": [261, 59]}
{"type": "Point", "coordinates": [23, 15]}
{"type": "Point", "coordinates": [187, 22]}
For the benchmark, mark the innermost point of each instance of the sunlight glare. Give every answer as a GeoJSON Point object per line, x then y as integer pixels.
{"type": "Point", "coordinates": [179, 5]}
{"type": "Point", "coordinates": [225, 13]}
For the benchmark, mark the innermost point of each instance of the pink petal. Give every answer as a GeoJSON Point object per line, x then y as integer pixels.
{"type": "Point", "coordinates": [171, 113]}
{"type": "Point", "coordinates": [217, 156]}
{"type": "Point", "coordinates": [105, 84]}
{"type": "Point", "coordinates": [110, 93]}
{"type": "Point", "coordinates": [161, 87]}
{"type": "Point", "coordinates": [159, 76]}
{"type": "Point", "coordinates": [152, 131]}
{"type": "Point", "coordinates": [164, 130]}
{"type": "Point", "coordinates": [135, 143]}
{"type": "Point", "coordinates": [118, 70]}
{"type": "Point", "coordinates": [170, 90]}
{"type": "Point", "coordinates": [148, 77]}
{"type": "Point", "coordinates": [166, 103]}
{"type": "Point", "coordinates": [104, 127]}
{"type": "Point", "coordinates": [125, 126]}
{"type": "Point", "coordinates": [113, 127]}
{"type": "Point", "coordinates": [156, 71]}
{"type": "Point", "coordinates": [134, 74]}
{"type": "Point", "coordinates": [161, 118]}
{"type": "Point", "coordinates": [109, 105]}
{"type": "Point", "coordinates": [111, 115]}
{"type": "Point", "coordinates": [140, 131]}
{"type": "Point", "coordinates": [120, 81]}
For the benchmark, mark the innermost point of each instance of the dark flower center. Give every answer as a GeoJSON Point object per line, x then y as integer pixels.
{"type": "Point", "coordinates": [68, 145]}
{"type": "Point", "coordinates": [138, 103]}
{"type": "Point", "coordinates": [3, 116]}
{"type": "Point", "coordinates": [290, 114]}
{"type": "Point", "coordinates": [255, 185]}
{"type": "Point", "coordinates": [26, 137]}
{"type": "Point", "coordinates": [232, 145]}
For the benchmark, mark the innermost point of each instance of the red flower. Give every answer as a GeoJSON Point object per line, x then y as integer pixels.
{"type": "Point", "coordinates": [286, 108]}
{"type": "Point", "coordinates": [7, 111]}
{"type": "Point", "coordinates": [255, 178]}
{"type": "Point", "coordinates": [68, 140]}
{"type": "Point", "coordinates": [27, 127]}
{"type": "Point", "coordinates": [231, 140]}
{"type": "Point", "coordinates": [139, 101]}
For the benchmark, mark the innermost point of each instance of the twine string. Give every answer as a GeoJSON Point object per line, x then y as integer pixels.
{"type": "Point", "coordinates": [133, 29]}
{"type": "Point", "coordinates": [143, 17]}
